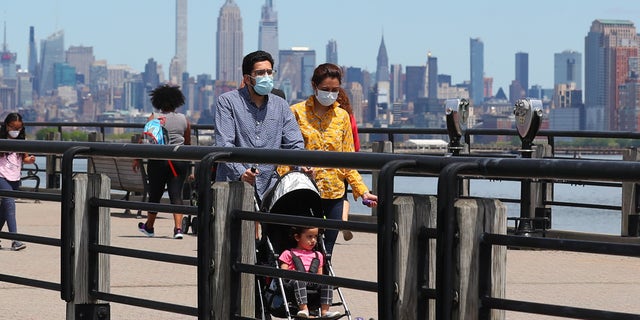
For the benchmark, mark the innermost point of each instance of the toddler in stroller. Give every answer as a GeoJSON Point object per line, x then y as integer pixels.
{"type": "Point", "coordinates": [305, 258]}
{"type": "Point", "coordinates": [295, 193]}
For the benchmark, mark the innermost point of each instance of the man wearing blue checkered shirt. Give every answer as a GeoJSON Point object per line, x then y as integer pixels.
{"type": "Point", "coordinates": [253, 117]}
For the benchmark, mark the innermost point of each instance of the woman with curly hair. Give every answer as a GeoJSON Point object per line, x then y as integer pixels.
{"type": "Point", "coordinates": [167, 99]}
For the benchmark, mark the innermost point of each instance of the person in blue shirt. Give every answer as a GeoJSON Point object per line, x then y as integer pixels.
{"type": "Point", "coordinates": [254, 117]}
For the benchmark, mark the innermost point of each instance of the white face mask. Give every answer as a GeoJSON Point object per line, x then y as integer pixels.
{"type": "Point", "coordinates": [14, 133]}
{"type": "Point", "coordinates": [326, 98]}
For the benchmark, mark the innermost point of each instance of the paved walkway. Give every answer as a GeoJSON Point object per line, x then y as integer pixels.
{"type": "Point", "coordinates": [583, 280]}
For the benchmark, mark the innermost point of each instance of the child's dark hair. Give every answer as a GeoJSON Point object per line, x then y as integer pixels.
{"type": "Point", "coordinates": [166, 97]}
{"type": "Point", "coordinates": [300, 230]}
{"type": "Point", "coordinates": [11, 117]}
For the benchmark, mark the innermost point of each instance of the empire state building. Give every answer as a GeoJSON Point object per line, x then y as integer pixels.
{"type": "Point", "coordinates": [229, 43]}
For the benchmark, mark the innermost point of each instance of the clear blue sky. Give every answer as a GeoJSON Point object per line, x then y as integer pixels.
{"type": "Point", "coordinates": [131, 31]}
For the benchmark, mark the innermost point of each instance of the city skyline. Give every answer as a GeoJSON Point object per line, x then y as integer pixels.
{"type": "Point", "coordinates": [120, 34]}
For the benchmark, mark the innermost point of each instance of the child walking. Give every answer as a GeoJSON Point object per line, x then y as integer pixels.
{"type": "Point", "coordinates": [305, 258]}
{"type": "Point", "coordinates": [10, 171]}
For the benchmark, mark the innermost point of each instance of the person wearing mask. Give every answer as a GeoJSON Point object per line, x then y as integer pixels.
{"type": "Point", "coordinates": [253, 117]}
{"type": "Point", "coordinates": [10, 171]}
{"type": "Point", "coordinates": [326, 127]}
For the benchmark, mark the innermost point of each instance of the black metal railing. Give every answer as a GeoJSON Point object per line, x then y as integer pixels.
{"type": "Point", "coordinates": [449, 168]}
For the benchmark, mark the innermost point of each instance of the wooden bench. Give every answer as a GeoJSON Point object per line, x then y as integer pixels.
{"type": "Point", "coordinates": [122, 176]}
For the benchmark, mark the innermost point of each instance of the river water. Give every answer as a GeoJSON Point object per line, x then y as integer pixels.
{"type": "Point", "coordinates": [563, 218]}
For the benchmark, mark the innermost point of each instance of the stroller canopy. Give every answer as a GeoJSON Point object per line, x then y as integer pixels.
{"type": "Point", "coordinates": [294, 193]}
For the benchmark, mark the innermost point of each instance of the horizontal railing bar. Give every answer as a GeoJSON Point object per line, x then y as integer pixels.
{"type": "Point", "coordinates": [145, 303]}
{"type": "Point", "coordinates": [55, 242]}
{"type": "Point", "coordinates": [555, 310]}
{"type": "Point", "coordinates": [44, 196]}
{"type": "Point", "coordinates": [598, 247]}
{"type": "Point", "coordinates": [147, 206]}
{"type": "Point", "coordinates": [272, 271]}
{"type": "Point", "coordinates": [30, 282]}
{"type": "Point", "coordinates": [148, 255]}
{"type": "Point", "coordinates": [290, 219]}
{"type": "Point", "coordinates": [582, 205]}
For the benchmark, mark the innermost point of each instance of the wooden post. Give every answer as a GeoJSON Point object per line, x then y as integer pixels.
{"type": "Point", "coordinates": [228, 196]}
{"type": "Point", "coordinates": [476, 216]}
{"type": "Point", "coordinates": [541, 192]}
{"type": "Point", "coordinates": [630, 215]}
{"type": "Point", "coordinates": [86, 187]}
{"type": "Point", "coordinates": [415, 253]}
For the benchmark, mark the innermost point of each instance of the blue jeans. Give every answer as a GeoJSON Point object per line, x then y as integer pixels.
{"type": "Point", "coordinates": [332, 209]}
{"type": "Point", "coordinates": [8, 205]}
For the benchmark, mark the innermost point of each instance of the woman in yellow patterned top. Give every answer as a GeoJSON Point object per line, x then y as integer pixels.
{"type": "Point", "coordinates": [326, 127]}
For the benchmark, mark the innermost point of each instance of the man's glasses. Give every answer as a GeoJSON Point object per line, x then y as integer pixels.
{"type": "Point", "coordinates": [262, 72]}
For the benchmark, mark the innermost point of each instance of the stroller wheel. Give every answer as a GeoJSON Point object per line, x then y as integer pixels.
{"type": "Point", "coordinates": [194, 225]}
{"type": "Point", "coordinates": [186, 222]}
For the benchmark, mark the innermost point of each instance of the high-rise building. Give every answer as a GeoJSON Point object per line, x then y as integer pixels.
{"type": "Point", "coordinates": [268, 30]}
{"type": "Point", "coordinates": [33, 53]}
{"type": "Point", "coordinates": [51, 52]}
{"type": "Point", "coordinates": [81, 58]}
{"type": "Point", "coordinates": [432, 76]}
{"type": "Point", "coordinates": [229, 43]}
{"type": "Point", "coordinates": [522, 70]}
{"type": "Point", "coordinates": [25, 89]}
{"type": "Point", "coordinates": [567, 68]}
{"type": "Point", "coordinates": [397, 83]}
{"type": "Point", "coordinates": [8, 62]}
{"type": "Point", "coordinates": [610, 45]}
{"type": "Point", "coordinates": [488, 86]}
{"type": "Point", "coordinates": [181, 39]}
{"type": "Point", "coordinates": [476, 55]}
{"type": "Point", "coordinates": [63, 75]}
{"type": "Point", "coordinates": [382, 70]}
{"type": "Point", "coordinates": [332, 52]}
{"type": "Point", "coordinates": [295, 71]}
{"type": "Point", "coordinates": [415, 78]}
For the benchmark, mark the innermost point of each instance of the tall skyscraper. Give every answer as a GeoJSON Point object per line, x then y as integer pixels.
{"type": "Point", "coordinates": [609, 47]}
{"type": "Point", "coordinates": [415, 82]}
{"type": "Point", "coordinates": [397, 83]}
{"type": "Point", "coordinates": [268, 30]}
{"type": "Point", "coordinates": [81, 58]}
{"type": "Point", "coordinates": [229, 43]}
{"type": "Point", "coordinates": [332, 52]}
{"type": "Point", "coordinates": [33, 53]}
{"type": "Point", "coordinates": [51, 52]}
{"type": "Point", "coordinates": [8, 61]}
{"type": "Point", "coordinates": [476, 54]}
{"type": "Point", "coordinates": [567, 68]}
{"type": "Point", "coordinates": [432, 76]}
{"type": "Point", "coordinates": [181, 39]}
{"type": "Point", "coordinates": [382, 70]}
{"type": "Point", "coordinates": [522, 70]}
{"type": "Point", "coordinates": [295, 72]}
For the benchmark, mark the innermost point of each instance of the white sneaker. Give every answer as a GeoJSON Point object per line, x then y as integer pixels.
{"type": "Point", "coordinates": [303, 314]}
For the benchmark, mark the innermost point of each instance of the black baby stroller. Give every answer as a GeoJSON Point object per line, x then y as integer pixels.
{"type": "Point", "coordinates": [294, 193]}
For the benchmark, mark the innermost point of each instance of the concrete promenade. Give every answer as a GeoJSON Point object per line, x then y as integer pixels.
{"type": "Point", "coordinates": [584, 280]}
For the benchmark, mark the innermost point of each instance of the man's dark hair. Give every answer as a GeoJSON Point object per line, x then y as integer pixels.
{"type": "Point", "coordinates": [249, 60]}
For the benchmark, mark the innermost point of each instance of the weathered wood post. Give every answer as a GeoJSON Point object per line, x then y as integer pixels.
{"type": "Point", "coordinates": [474, 217]}
{"type": "Point", "coordinates": [630, 223]}
{"type": "Point", "coordinates": [83, 305]}
{"type": "Point", "coordinates": [416, 254]}
{"type": "Point", "coordinates": [228, 196]}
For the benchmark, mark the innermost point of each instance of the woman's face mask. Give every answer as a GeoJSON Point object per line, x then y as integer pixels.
{"type": "Point", "coordinates": [326, 98]}
{"type": "Point", "coordinates": [14, 133]}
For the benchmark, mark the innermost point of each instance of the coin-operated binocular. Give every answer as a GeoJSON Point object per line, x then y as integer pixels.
{"type": "Point", "coordinates": [528, 114]}
{"type": "Point", "coordinates": [457, 114]}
